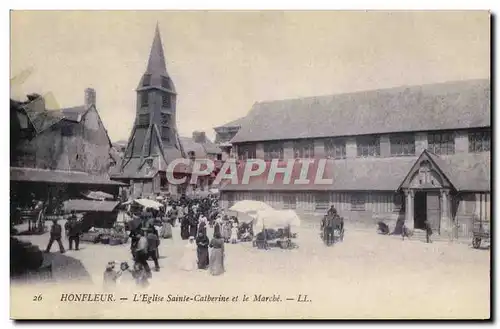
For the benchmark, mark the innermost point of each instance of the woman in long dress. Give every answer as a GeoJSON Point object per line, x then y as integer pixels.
{"type": "Point", "coordinates": [226, 230]}
{"type": "Point", "coordinates": [193, 225]}
{"type": "Point", "coordinates": [203, 257]}
{"type": "Point", "coordinates": [234, 233]}
{"type": "Point", "coordinates": [218, 226]}
{"type": "Point", "coordinates": [217, 255]}
{"type": "Point", "coordinates": [185, 228]}
{"type": "Point", "coordinates": [166, 228]}
{"type": "Point", "coordinates": [189, 261]}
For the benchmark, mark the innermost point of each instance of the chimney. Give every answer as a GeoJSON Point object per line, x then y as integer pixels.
{"type": "Point", "coordinates": [90, 97]}
{"type": "Point", "coordinates": [199, 137]}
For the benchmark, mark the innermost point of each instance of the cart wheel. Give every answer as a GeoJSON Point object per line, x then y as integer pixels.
{"type": "Point", "coordinates": [476, 243]}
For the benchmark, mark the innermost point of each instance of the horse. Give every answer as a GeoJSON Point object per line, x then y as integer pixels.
{"type": "Point", "coordinates": [330, 224]}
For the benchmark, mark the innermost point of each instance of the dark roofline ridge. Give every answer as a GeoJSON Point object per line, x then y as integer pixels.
{"type": "Point", "coordinates": [402, 87]}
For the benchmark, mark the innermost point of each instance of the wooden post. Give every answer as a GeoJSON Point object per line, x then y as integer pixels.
{"type": "Point", "coordinates": [409, 199]}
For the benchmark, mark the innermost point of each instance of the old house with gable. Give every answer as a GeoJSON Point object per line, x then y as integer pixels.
{"type": "Point", "coordinates": [200, 147]}
{"type": "Point", "coordinates": [415, 153]}
{"type": "Point", "coordinates": [60, 152]}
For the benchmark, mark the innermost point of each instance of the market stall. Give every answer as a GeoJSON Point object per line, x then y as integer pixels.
{"type": "Point", "coordinates": [275, 227]}
{"type": "Point", "coordinates": [98, 220]}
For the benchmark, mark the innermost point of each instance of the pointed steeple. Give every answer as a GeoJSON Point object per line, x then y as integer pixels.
{"type": "Point", "coordinates": [156, 75]}
{"type": "Point", "coordinates": [156, 62]}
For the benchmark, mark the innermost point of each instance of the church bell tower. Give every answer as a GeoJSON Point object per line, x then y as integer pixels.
{"type": "Point", "coordinates": [154, 141]}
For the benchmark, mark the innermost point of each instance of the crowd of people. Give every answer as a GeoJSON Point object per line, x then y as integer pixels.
{"type": "Point", "coordinates": [194, 216]}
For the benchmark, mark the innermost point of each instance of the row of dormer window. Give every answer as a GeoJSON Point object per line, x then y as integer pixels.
{"type": "Point", "coordinates": [441, 143]}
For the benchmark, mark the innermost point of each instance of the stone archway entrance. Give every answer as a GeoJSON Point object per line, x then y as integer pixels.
{"type": "Point", "coordinates": [427, 196]}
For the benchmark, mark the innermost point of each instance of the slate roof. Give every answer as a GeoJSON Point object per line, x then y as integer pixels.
{"type": "Point", "coordinates": [57, 176]}
{"type": "Point", "coordinates": [201, 150]}
{"type": "Point", "coordinates": [467, 172]}
{"type": "Point", "coordinates": [42, 119]}
{"type": "Point", "coordinates": [134, 168]}
{"type": "Point", "coordinates": [235, 123]}
{"type": "Point", "coordinates": [348, 174]}
{"type": "Point", "coordinates": [450, 105]}
{"type": "Point", "coordinates": [131, 165]}
{"type": "Point", "coordinates": [156, 68]}
{"type": "Point", "coordinates": [75, 113]}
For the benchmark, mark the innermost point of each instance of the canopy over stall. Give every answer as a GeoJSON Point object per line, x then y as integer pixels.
{"type": "Point", "coordinates": [247, 210]}
{"type": "Point", "coordinates": [276, 219]}
{"type": "Point", "coordinates": [97, 195]}
{"type": "Point", "coordinates": [81, 205]}
{"type": "Point", "coordinates": [95, 213]}
{"type": "Point", "coordinates": [146, 203]}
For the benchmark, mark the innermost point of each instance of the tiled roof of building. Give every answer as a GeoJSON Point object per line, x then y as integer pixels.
{"type": "Point", "coordinates": [43, 118]}
{"type": "Point", "coordinates": [235, 123]}
{"type": "Point", "coordinates": [467, 172]}
{"type": "Point", "coordinates": [74, 113]}
{"type": "Point", "coordinates": [134, 168]}
{"type": "Point", "coordinates": [201, 149]}
{"type": "Point", "coordinates": [451, 105]}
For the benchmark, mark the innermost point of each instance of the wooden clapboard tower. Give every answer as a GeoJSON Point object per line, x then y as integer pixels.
{"type": "Point", "coordinates": [154, 141]}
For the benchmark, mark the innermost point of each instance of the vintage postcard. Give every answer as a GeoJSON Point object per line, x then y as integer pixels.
{"type": "Point", "coordinates": [250, 165]}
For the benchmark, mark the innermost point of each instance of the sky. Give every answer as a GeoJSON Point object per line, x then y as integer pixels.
{"type": "Point", "coordinates": [222, 62]}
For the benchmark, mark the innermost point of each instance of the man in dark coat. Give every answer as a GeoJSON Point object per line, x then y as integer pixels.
{"type": "Point", "coordinates": [185, 227]}
{"type": "Point", "coordinates": [428, 231]}
{"type": "Point", "coordinates": [141, 251]}
{"type": "Point", "coordinates": [73, 231]}
{"type": "Point", "coordinates": [55, 235]}
{"type": "Point", "coordinates": [193, 224]}
{"type": "Point", "coordinates": [202, 242]}
{"type": "Point", "coordinates": [153, 243]}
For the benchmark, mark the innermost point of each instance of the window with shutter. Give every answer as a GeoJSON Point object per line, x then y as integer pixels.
{"type": "Point", "coordinates": [335, 148]}
{"type": "Point", "coordinates": [144, 99]}
{"type": "Point", "coordinates": [441, 143]}
{"type": "Point", "coordinates": [368, 146]}
{"type": "Point", "coordinates": [303, 149]}
{"type": "Point", "coordinates": [358, 202]}
{"type": "Point", "coordinates": [143, 119]}
{"type": "Point", "coordinates": [402, 145]}
{"type": "Point", "coordinates": [289, 201]}
{"type": "Point", "coordinates": [165, 119]}
{"type": "Point", "coordinates": [479, 141]}
{"type": "Point", "coordinates": [273, 151]}
{"type": "Point", "coordinates": [322, 201]}
{"type": "Point", "coordinates": [165, 82]}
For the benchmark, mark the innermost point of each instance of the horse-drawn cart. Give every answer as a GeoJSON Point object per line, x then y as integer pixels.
{"type": "Point", "coordinates": [480, 231]}
{"type": "Point", "coordinates": [332, 228]}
